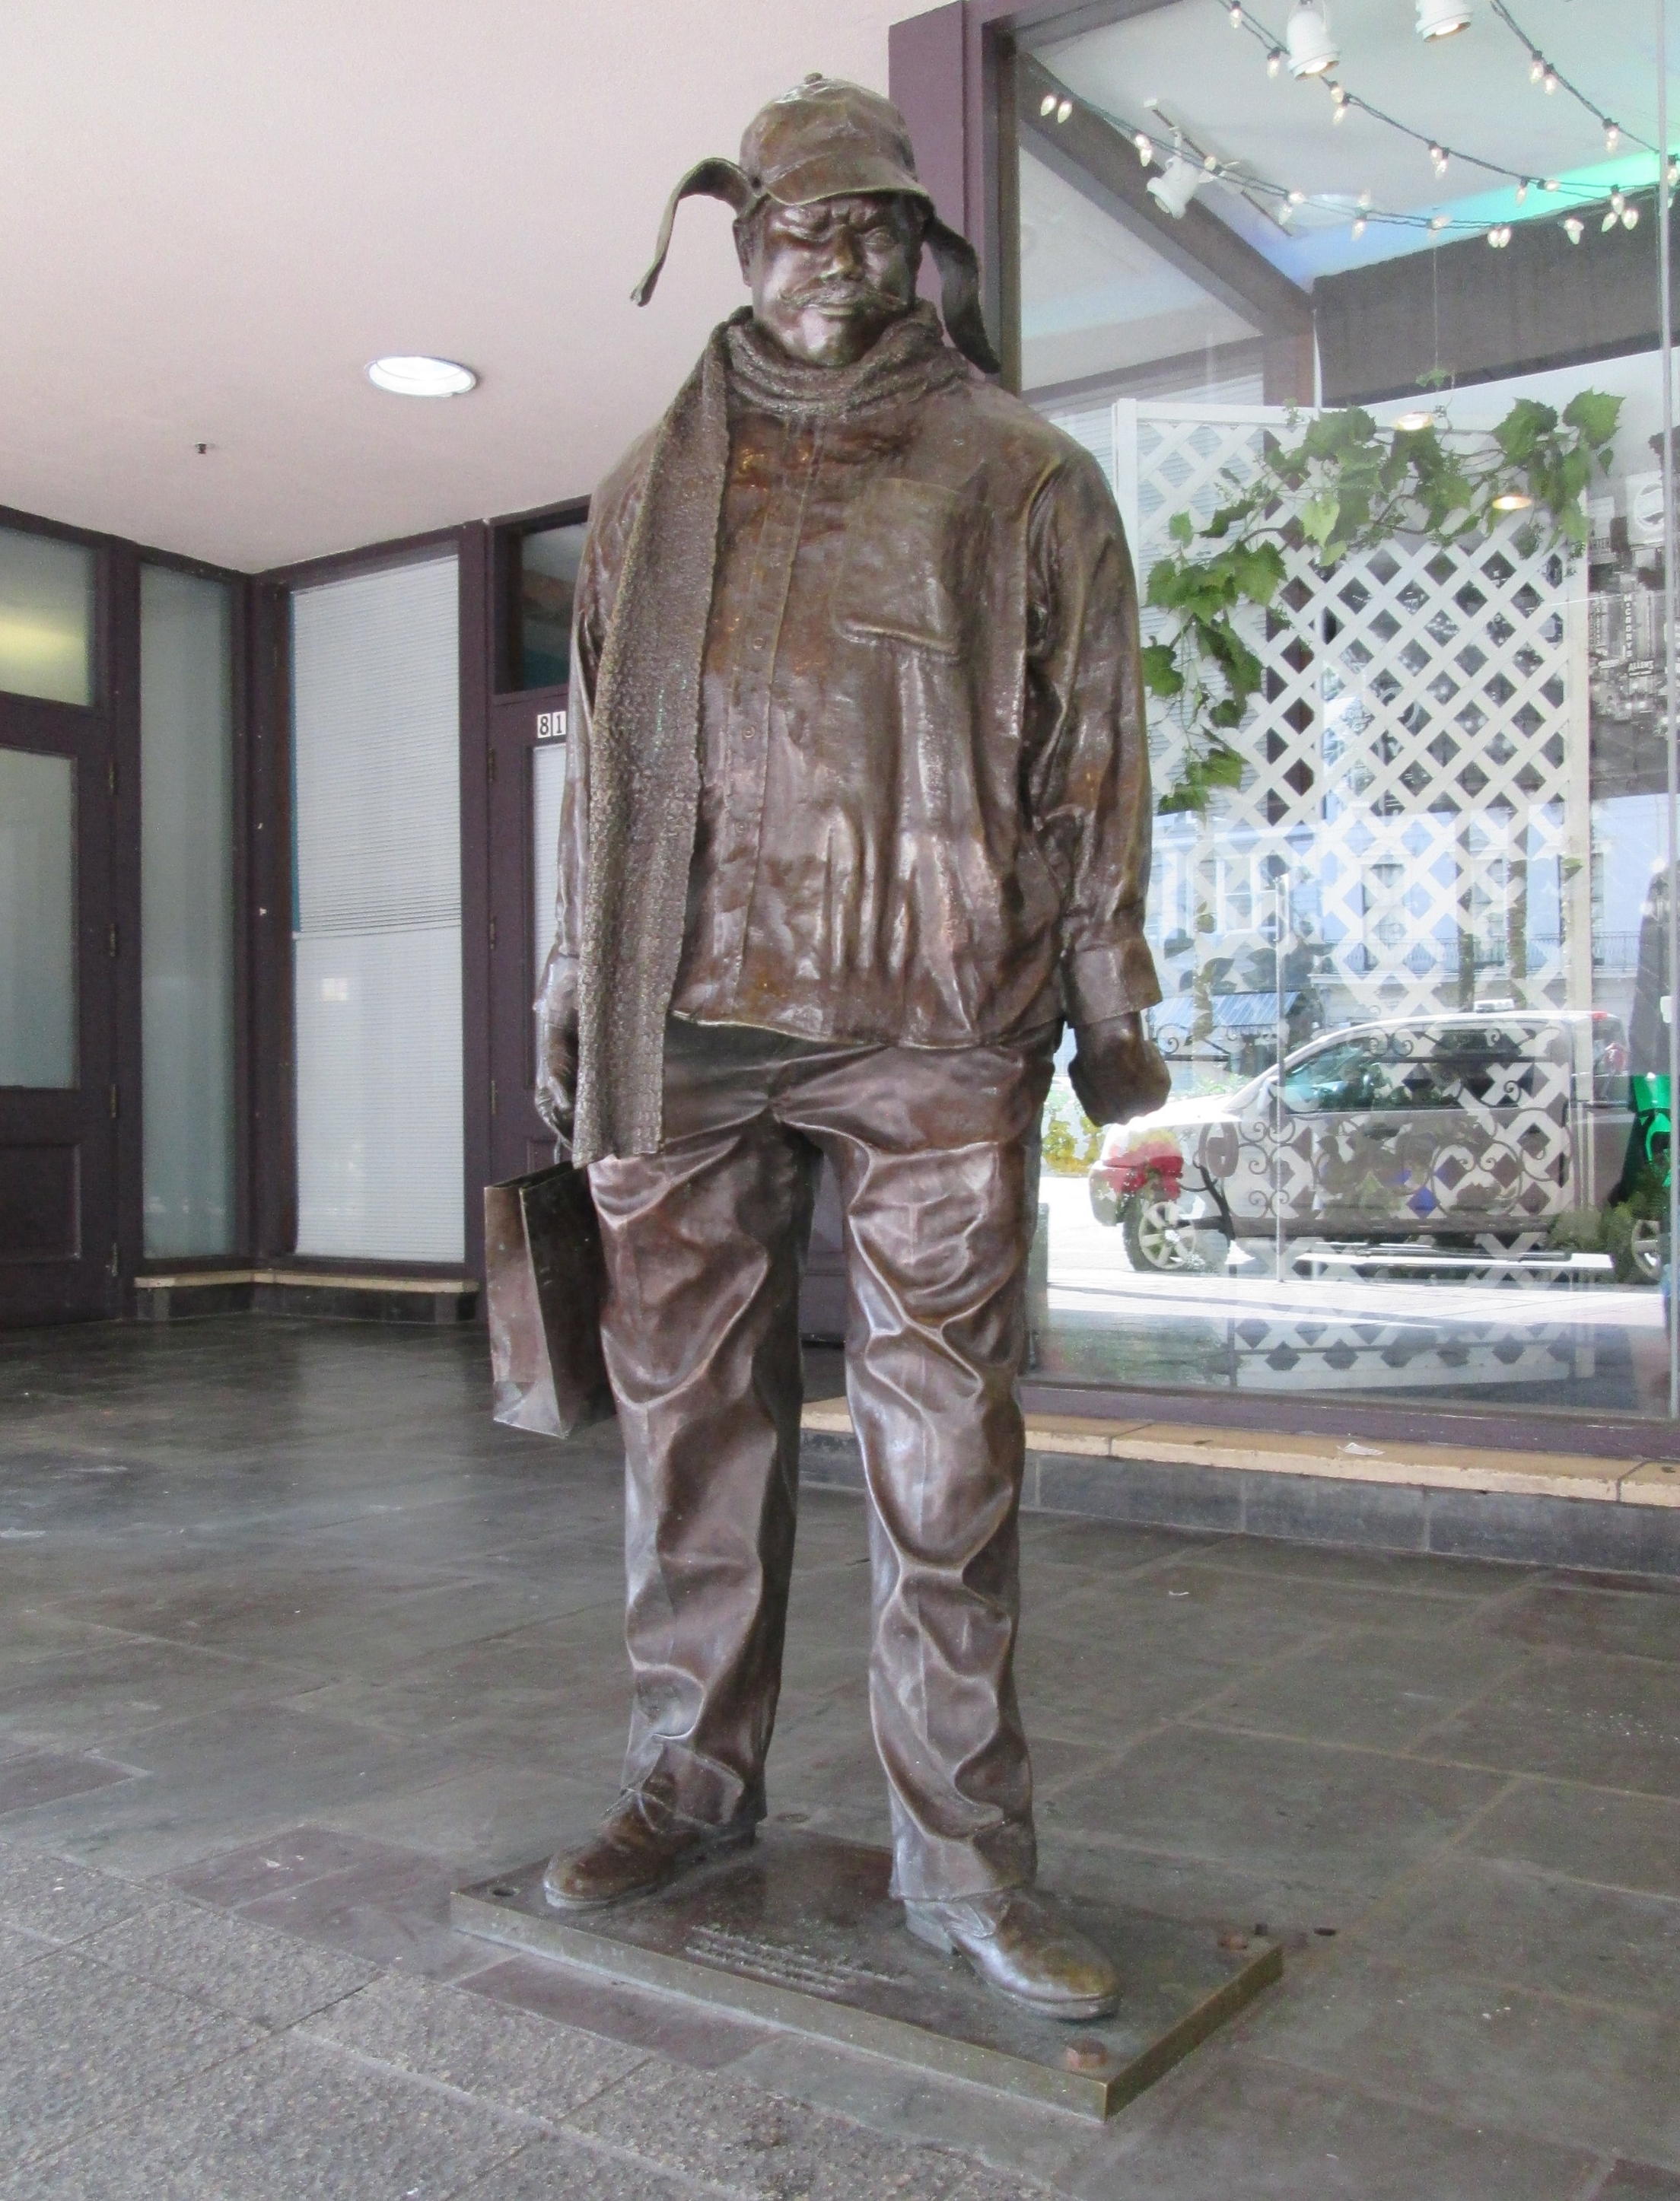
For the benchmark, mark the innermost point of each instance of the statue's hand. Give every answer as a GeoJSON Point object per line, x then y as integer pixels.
{"type": "Point", "coordinates": [557, 1058]}
{"type": "Point", "coordinates": [1117, 1072]}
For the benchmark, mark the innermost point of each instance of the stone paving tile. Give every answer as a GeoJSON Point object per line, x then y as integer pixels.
{"type": "Point", "coordinates": [1638, 2182]}
{"type": "Point", "coordinates": [16, 1949]}
{"type": "Point", "coordinates": [394, 1911]}
{"type": "Point", "coordinates": [534, 2066]}
{"type": "Point", "coordinates": [43, 1776]}
{"type": "Point", "coordinates": [219, 1779]}
{"type": "Point", "coordinates": [1588, 2076]}
{"type": "Point", "coordinates": [495, 1814]}
{"type": "Point", "coordinates": [1466, 1581]}
{"type": "Point", "coordinates": [1245, 2130]}
{"type": "Point", "coordinates": [668, 2025]}
{"type": "Point", "coordinates": [1640, 1622]}
{"type": "Point", "coordinates": [1466, 1914]}
{"type": "Point", "coordinates": [1371, 1687]}
{"type": "Point", "coordinates": [226, 1962]}
{"type": "Point", "coordinates": [90, 1696]}
{"type": "Point", "coordinates": [1350, 1819]}
{"type": "Point", "coordinates": [723, 2133]}
{"type": "Point", "coordinates": [1589, 1834]}
{"type": "Point", "coordinates": [285, 1860]}
{"type": "Point", "coordinates": [1011, 2138]}
{"type": "Point", "coordinates": [59, 1900]}
{"type": "Point", "coordinates": [83, 2043]}
{"type": "Point", "coordinates": [1575, 1716]}
{"type": "Point", "coordinates": [292, 2121]}
{"type": "Point", "coordinates": [548, 2170]}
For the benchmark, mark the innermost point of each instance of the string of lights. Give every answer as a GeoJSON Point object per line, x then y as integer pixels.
{"type": "Point", "coordinates": [1541, 72]}
{"type": "Point", "coordinates": [1189, 165]}
{"type": "Point", "coordinates": [1441, 154]}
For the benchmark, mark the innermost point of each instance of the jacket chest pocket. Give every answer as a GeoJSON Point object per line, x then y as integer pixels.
{"type": "Point", "coordinates": [908, 545]}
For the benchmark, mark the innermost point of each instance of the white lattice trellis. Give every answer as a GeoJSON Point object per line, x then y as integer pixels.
{"type": "Point", "coordinates": [1417, 763]}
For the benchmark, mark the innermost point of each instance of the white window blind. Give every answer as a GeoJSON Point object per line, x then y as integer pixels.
{"type": "Point", "coordinates": [376, 733]}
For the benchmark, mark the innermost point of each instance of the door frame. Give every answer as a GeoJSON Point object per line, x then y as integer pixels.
{"type": "Point", "coordinates": [87, 1286]}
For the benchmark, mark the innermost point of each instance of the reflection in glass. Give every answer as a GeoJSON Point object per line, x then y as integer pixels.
{"type": "Point", "coordinates": [186, 912]}
{"type": "Point", "coordinates": [548, 563]}
{"type": "Point", "coordinates": [1435, 882]}
{"type": "Point", "coordinates": [46, 617]}
{"type": "Point", "coordinates": [38, 923]}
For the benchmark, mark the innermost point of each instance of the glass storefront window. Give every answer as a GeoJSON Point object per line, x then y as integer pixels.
{"type": "Point", "coordinates": [186, 912]}
{"type": "Point", "coordinates": [38, 920]}
{"type": "Point", "coordinates": [548, 560]}
{"type": "Point", "coordinates": [46, 617]}
{"type": "Point", "coordinates": [1418, 855]}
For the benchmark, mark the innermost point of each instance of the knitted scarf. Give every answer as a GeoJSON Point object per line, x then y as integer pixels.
{"type": "Point", "coordinates": [644, 744]}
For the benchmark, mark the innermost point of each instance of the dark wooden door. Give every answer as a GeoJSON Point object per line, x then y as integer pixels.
{"type": "Point", "coordinates": [60, 1098]}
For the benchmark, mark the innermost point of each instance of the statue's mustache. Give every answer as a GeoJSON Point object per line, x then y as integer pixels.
{"type": "Point", "coordinates": [843, 290]}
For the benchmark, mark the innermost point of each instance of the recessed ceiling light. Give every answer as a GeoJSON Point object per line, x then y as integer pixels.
{"type": "Point", "coordinates": [414, 376]}
{"type": "Point", "coordinates": [1414, 422]}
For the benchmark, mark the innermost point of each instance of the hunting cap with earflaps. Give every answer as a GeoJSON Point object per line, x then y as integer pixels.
{"type": "Point", "coordinates": [827, 139]}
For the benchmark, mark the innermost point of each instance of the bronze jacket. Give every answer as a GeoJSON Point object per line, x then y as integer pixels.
{"type": "Point", "coordinates": [923, 803]}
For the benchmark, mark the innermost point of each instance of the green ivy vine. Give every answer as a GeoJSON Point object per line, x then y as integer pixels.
{"type": "Point", "coordinates": [1346, 486]}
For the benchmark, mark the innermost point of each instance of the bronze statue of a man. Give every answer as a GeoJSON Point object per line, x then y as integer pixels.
{"type": "Point", "coordinates": [857, 813]}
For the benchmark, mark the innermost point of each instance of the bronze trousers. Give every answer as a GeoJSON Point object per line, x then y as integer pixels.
{"type": "Point", "coordinates": [705, 1244]}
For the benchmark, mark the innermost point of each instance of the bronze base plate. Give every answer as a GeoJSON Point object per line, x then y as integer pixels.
{"type": "Point", "coordinates": [800, 1930]}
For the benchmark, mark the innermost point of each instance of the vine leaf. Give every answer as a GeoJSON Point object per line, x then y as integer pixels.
{"type": "Point", "coordinates": [1343, 487]}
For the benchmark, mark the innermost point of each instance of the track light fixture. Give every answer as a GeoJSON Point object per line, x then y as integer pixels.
{"type": "Point", "coordinates": [1177, 185]}
{"type": "Point", "coordinates": [1443, 19]}
{"type": "Point", "coordinates": [1311, 47]}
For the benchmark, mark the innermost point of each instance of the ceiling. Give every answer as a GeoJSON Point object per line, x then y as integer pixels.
{"type": "Point", "coordinates": [216, 215]}
{"type": "Point", "coordinates": [1472, 91]}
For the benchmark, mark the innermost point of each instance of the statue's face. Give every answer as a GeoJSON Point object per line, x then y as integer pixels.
{"type": "Point", "coordinates": [828, 278]}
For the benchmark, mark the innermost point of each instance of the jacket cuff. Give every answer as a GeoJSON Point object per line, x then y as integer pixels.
{"type": "Point", "coordinates": [1102, 983]}
{"type": "Point", "coordinates": [558, 993]}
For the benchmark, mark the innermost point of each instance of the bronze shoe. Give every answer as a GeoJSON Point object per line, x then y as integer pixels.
{"type": "Point", "coordinates": [1020, 1948]}
{"type": "Point", "coordinates": [631, 1854]}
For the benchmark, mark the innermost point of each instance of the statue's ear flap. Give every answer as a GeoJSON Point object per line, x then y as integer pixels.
{"type": "Point", "coordinates": [716, 179]}
{"type": "Point", "coordinates": [959, 269]}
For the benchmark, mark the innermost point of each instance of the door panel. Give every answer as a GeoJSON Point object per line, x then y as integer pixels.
{"type": "Point", "coordinates": [59, 1097]}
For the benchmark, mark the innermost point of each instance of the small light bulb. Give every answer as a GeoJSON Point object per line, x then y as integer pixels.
{"type": "Point", "coordinates": [1339, 112]}
{"type": "Point", "coordinates": [1285, 213]}
{"type": "Point", "coordinates": [1613, 136]}
{"type": "Point", "coordinates": [1609, 221]}
{"type": "Point", "coordinates": [1537, 70]}
{"type": "Point", "coordinates": [1629, 217]}
{"type": "Point", "coordinates": [1674, 172]}
{"type": "Point", "coordinates": [1146, 150]}
{"type": "Point", "coordinates": [1550, 184]}
{"type": "Point", "coordinates": [1048, 105]}
{"type": "Point", "coordinates": [1617, 200]}
{"type": "Point", "coordinates": [1064, 109]}
{"type": "Point", "coordinates": [1413, 423]}
{"type": "Point", "coordinates": [1549, 82]}
{"type": "Point", "coordinates": [1573, 228]}
{"type": "Point", "coordinates": [1364, 202]}
{"type": "Point", "coordinates": [1360, 225]}
{"type": "Point", "coordinates": [1438, 221]}
{"type": "Point", "coordinates": [1512, 501]}
{"type": "Point", "coordinates": [1523, 192]}
{"type": "Point", "coordinates": [1274, 61]}
{"type": "Point", "coordinates": [1210, 162]}
{"type": "Point", "coordinates": [1236, 16]}
{"type": "Point", "coordinates": [1297, 198]}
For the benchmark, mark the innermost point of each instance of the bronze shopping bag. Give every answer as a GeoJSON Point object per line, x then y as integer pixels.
{"type": "Point", "coordinates": [543, 1281]}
